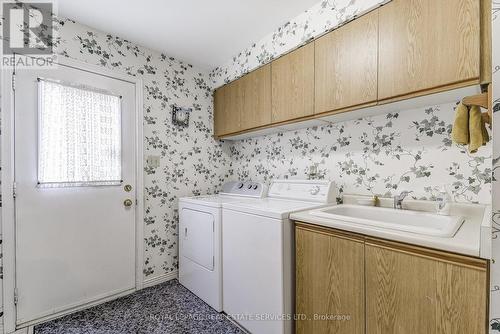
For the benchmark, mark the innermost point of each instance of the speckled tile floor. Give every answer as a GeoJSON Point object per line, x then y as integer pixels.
{"type": "Point", "coordinates": [168, 308]}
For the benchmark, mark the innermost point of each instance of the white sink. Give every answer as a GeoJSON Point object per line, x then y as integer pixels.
{"type": "Point", "coordinates": [401, 220]}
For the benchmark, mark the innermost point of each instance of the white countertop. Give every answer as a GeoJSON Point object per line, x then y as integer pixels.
{"type": "Point", "coordinates": [473, 238]}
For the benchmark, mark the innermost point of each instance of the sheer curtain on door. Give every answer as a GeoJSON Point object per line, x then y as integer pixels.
{"type": "Point", "coordinates": [79, 134]}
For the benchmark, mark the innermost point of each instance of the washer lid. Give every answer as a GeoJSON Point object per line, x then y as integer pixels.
{"type": "Point", "coordinates": [272, 207]}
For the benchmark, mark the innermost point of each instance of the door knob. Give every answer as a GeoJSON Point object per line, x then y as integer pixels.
{"type": "Point", "coordinates": [128, 203]}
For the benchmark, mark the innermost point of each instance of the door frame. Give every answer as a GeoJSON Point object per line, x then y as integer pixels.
{"type": "Point", "coordinates": [7, 187]}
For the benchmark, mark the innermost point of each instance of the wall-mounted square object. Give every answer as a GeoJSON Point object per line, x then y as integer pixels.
{"type": "Point", "coordinates": [180, 116]}
{"type": "Point", "coordinates": [153, 161]}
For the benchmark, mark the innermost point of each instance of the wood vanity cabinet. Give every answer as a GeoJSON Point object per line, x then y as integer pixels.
{"type": "Point", "coordinates": [414, 290]}
{"type": "Point", "coordinates": [346, 65]}
{"type": "Point", "coordinates": [387, 287]}
{"type": "Point", "coordinates": [427, 44]}
{"type": "Point", "coordinates": [329, 281]}
{"type": "Point", "coordinates": [293, 85]}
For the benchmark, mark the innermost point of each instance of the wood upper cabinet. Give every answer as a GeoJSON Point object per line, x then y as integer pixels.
{"type": "Point", "coordinates": [228, 102]}
{"type": "Point", "coordinates": [293, 85]}
{"type": "Point", "coordinates": [219, 118]}
{"type": "Point", "coordinates": [256, 108]}
{"type": "Point", "coordinates": [244, 103]}
{"type": "Point", "coordinates": [426, 44]}
{"type": "Point", "coordinates": [346, 65]}
{"type": "Point", "coordinates": [329, 281]}
{"type": "Point", "coordinates": [413, 291]}
{"type": "Point", "coordinates": [404, 49]}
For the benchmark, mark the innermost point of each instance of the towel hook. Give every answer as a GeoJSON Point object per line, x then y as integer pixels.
{"type": "Point", "coordinates": [480, 100]}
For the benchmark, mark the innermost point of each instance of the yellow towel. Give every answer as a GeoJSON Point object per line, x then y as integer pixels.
{"type": "Point", "coordinates": [469, 128]}
{"type": "Point", "coordinates": [486, 136]}
{"type": "Point", "coordinates": [460, 131]}
{"type": "Point", "coordinates": [477, 130]}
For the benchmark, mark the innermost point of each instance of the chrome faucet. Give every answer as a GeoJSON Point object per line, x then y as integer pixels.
{"type": "Point", "coordinates": [398, 200]}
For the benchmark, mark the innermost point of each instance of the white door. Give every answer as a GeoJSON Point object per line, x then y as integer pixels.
{"type": "Point", "coordinates": [74, 155]}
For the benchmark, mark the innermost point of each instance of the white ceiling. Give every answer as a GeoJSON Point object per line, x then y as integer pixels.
{"type": "Point", "coordinates": [202, 32]}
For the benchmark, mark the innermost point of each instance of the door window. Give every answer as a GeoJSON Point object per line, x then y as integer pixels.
{"type": "Point", "coordinates": [79, 135]}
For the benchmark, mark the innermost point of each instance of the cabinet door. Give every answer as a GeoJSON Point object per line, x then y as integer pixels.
{"type": "Point", "coordinates": [426, 44]}
{"type": "Point", "coordinates": [233, 105]}
{"type": "Point", "coordinates": [412, 291]}
{"type": "Point", "coordinates": [329, 282]}
{"type": "Point", "coordinates": [219, 106]}
{"type": "Point", "coordinates": [228, 105]}
{"type": "Point", "coordinates": [346, 65]}
{"type": "Point", "coordinates": [293, 85]}
{"type": "Point", "coordinates": [256, 98]}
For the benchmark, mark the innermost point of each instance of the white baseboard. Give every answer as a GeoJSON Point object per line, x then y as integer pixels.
{"type": "Point", "coordinates": [160, 279]}
{"type": "Point", "coordinates": [27, 330]}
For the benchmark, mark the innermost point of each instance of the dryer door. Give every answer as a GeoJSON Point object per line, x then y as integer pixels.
{"type": "Point", "coordinates": [197, 234]}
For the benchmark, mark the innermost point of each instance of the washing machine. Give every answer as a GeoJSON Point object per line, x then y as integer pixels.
{"type": "Point", "coordinates": [258, 254]}
{"type": "Point", "coordinates": [200, 228]}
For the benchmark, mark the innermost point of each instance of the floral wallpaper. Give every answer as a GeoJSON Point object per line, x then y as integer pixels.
{"type": "Point", "coordinates": [191, 161]}
{"type": "Point", "coordinates": [495, 266]}
{"type": "Point", "coordinates": [380, 155]}
{"type": "Point", "coordinates": [320, 18]}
